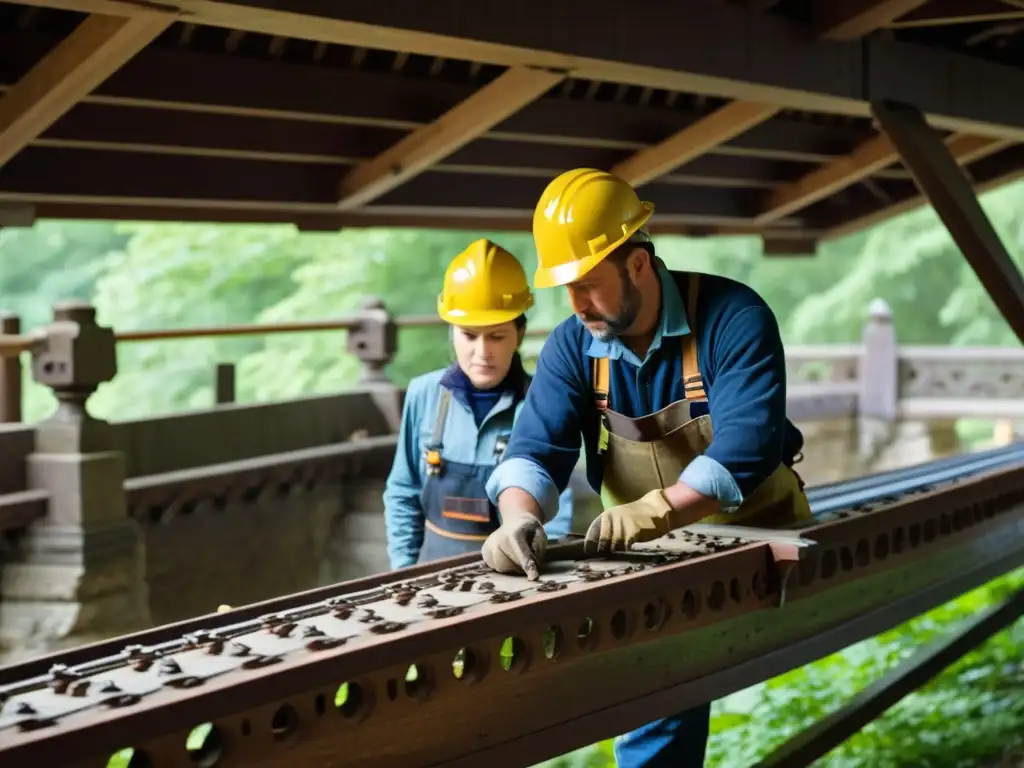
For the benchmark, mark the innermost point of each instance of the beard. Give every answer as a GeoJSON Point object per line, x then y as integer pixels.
{"type": "Point", "coordinates": [616, 325]}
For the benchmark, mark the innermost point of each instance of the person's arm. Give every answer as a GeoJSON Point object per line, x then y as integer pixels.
{"type": "Point", "coordinates": [541, 454]}
{"type": "Point", "coordinates": [545, 443]}
{"type": "Point", "coordinates": [748, 410]}
{"type": "Point", "coordinates": [403, 515]}
{"type": "Point", "coordinates": [747, 403]}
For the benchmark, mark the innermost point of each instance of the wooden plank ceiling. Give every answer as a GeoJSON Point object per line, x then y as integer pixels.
{"type": "Point", "coordinates": [330, 116]}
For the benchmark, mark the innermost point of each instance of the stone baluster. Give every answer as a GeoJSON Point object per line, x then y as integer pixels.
{"type": "Point", "coordinates": [78, 573]}
{"type": "Point", "coordinates": [374, 341]}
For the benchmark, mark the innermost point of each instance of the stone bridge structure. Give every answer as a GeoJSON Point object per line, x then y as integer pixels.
{"type": "Point", "coordinates": [109, 527]}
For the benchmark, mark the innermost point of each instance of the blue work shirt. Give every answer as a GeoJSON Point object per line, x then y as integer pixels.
{"type": "Point", "coordinates": [740, 354]}
{"type": "Point", "coordinates": [464, 443]}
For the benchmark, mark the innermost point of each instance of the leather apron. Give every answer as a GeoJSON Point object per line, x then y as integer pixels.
{"type": "Point", "coordinates": [458, 515]}
{"type": "Point", "coordinates": [652, 451]}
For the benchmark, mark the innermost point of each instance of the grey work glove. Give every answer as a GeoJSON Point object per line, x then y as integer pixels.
{"type": "Point", "coordinates": [518, 546]}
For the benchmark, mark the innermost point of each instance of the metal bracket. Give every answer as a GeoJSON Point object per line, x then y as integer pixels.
{"type": "Point", "coordinates": [788, 547]}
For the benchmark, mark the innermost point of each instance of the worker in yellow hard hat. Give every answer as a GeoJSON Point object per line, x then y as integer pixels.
{"type": "Point", "coordinates": [694, 349]}
{"type": "Point", "coordinates": [457, 420]}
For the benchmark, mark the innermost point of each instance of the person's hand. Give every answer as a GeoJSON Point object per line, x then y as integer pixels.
{"type": "Point", "coordinates": [518, 546]}
{"type": "Point", "coordinates": [618, 528]}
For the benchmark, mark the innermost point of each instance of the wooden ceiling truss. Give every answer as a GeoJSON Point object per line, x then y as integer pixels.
{"type": "Point", "coordinates": [735, 116]}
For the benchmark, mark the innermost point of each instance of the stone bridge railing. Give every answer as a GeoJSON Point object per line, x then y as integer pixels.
{"type": "Point", "coordinates": [110, 526]}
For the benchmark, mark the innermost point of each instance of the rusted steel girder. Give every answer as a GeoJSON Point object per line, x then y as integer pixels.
{"type": "Point", "coordinates": [593, 649]}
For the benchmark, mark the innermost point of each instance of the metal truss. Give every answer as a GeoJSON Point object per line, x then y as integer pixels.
{"type": "Point", "coordinates": [450, 664]}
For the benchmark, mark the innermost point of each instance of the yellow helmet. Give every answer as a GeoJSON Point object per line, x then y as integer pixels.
{"type": "Point", "coordinates": [582, 216]}
{"type": "Point", "coordinates": [484, 285]}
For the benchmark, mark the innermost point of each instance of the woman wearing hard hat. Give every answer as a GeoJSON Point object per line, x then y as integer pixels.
{"type": "Point", "coordinates": [457, 420]}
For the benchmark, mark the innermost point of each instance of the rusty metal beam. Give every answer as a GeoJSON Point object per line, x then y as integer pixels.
{"type": "Point", "coordinates": [596, 649]}
{"type": "Point", "coordinates": [949, 191]}
{"type": "Point", "coordinates": [822, 737]}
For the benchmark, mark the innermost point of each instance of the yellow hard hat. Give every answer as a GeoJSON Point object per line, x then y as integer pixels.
{"type": "Point", "coordinates": [484, 285]}
{"type": "Point", "coordinates": [582, 216]}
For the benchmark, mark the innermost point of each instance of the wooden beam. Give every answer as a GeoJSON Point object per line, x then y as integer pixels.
{"type": "Point", "coordinates": [297, 108]}
{"type": "Point", "coordinates": [508, 93]}
{"type": "Point", "coordinates": [782, 246]}
{"type": "Point", "coordinates": [944, 12]}
{"type": "Point", "coordinates": [719, 127]}
{"type": "Point", "coordinates": [965, 149]}
{"type": "Point", "coordinates": [87, 57]}
{"type": "Point", "coordinates": [39, 175]}
{"type": "Point", "coordinates": [769, 63]}
{"type": "Point", "coordinates": [947, 188]}
{"type": "Point", "coordinates": [870, 157]}
{"type": "Point", "coordinates": [851, 19]}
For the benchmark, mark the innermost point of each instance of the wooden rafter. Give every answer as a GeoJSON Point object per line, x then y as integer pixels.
{"type": "Point", "coordinates": [870, 157]}
{"type": "Point", "coordinates": [874, 155]}
{"type": "Point", "coordinates": [819, 76]}
{"type": "Point", "coordinates": [707, 133]}
{"type": "Point", "coordinates": [850, 19]}
{"type": "Point", "coordinates": [87, 57]}
{"type": "Point", "coordinates": [965, 149]}
{"type": "Point", "coordinates": [508, 93]}
{"type": "Point", "coordinates": [945, 12]}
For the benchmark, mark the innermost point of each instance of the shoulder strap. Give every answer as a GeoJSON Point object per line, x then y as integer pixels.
{"type": "Point", "coordinates": [599, 381]}
{"type": "Point", "coordinates": [442, 414]}
{"type": "Point", "coordinates": [433, 452]}
{"type": "Point", "coordinates": [693, 381]}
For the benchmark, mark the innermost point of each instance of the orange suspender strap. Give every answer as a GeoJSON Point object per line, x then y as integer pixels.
{"type": "Point", "coordinates": [693, 381]}
{"type": "Point", "coordinates": [599, 381]}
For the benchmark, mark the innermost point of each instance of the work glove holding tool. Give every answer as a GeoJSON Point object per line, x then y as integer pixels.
{"type": "Point", "coordinates": [518, 546]}
{"type": "Point", "coordinates": [618, 528]}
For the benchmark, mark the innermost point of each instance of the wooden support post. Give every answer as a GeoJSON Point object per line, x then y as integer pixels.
{"type": "Point", "coordinates": [10, 373]}
{"type": "Point", "coordinates": [947, 188]}
{"type": "Point", "coordinates": [815, 742]}
{"type": "Point", "coordinates": [225, 384]}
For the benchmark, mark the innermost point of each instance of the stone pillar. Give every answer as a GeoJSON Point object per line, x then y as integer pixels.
{"type": "Point", "coordinates": [78, 573]}
{"type": "Point", "coordinates": [374, 341]}
{"type": "Point", "coordinates": [878, 399]}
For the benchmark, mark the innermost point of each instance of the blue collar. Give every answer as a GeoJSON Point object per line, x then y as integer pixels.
{"type": "Point", "coordinates": [671, 323]}
{"type": "Point", "coordinates": [516, 381]}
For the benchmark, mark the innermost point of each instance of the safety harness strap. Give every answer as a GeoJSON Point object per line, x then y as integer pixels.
{"type": "Point", "coordinates": [434, 449]}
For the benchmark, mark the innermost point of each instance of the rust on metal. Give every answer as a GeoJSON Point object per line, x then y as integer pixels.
{"type": "Point", "coordinates": [579, 630]}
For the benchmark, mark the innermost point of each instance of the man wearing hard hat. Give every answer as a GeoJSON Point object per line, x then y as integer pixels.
{"type": "Point", "coordinates": [694, 349]}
